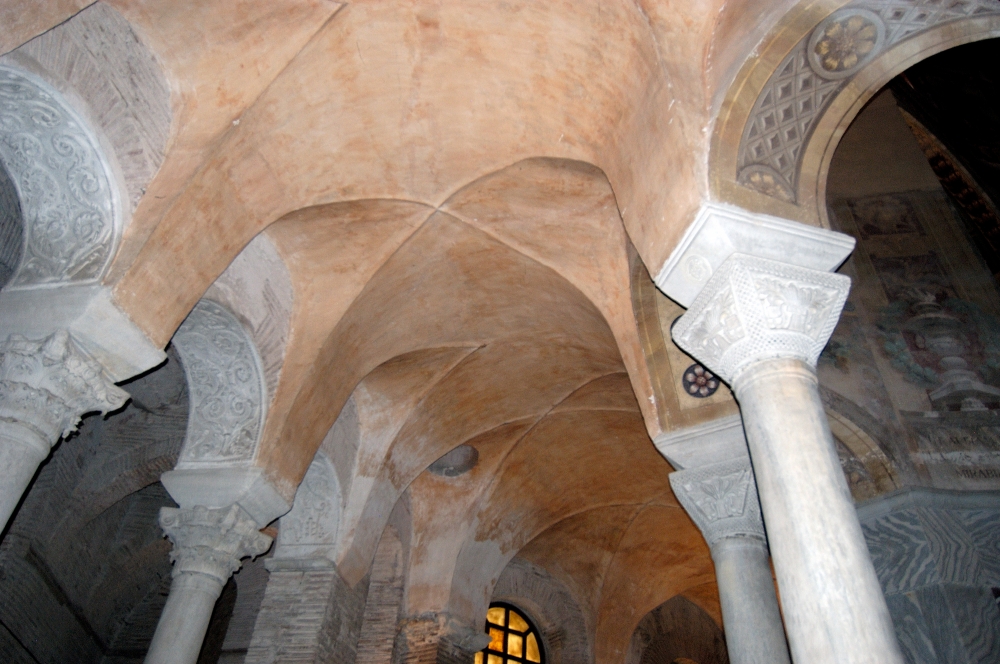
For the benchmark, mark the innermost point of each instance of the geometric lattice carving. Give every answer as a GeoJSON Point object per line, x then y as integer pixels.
{"type": "Point", "coordinates": [820, 65]}
{"type": "Point", "coordinates": [753, 308]}
{"type": "Point", "coordinates": [721, 499]}
{"type": "Point", "coordinates": [67, 201]}
{"type": "Point", "coordinates": [225, 386]}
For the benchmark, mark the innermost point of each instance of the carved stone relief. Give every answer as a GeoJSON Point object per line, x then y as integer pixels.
{"type": "Point", "coordinates": [69, 207]}
{"type": "Point", "coordinates": [721, 498]}
{"type": "Point", "coordinates": [226, 387]}
{"type": "Point", "coordinates": [816, 70]}
{"type": "Point", "coordinates": [309, 530]}
{"type": "Point", "coordinates": [753, 308]}
{"type": "Point", "coordinates": [211, 541]}
{"type": "Point", "coordinates": [47, 385]}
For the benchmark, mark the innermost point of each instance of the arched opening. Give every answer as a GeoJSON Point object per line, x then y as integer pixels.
{"type": "Point", "coordinates": [514, 639]}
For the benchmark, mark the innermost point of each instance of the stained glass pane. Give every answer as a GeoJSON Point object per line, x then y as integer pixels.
{"type": "Point", "coordinates": [479, 658]}
{"type": "Point", "coordinates": [496, 639]}
{"type": "Point", "coordinates": [494, 659]}
{"type": "Point", "coordinates": [531, 648]}
{"type": "Point", "coordinates": [496, 615]}
{"type": "Point", "coordinates": [518, 623]}
{"type": "Point", "coordinates": [515, 645]}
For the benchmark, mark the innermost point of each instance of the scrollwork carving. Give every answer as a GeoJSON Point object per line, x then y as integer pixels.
{"type": "Point", "coordinates": [226, 387]}
{"type": "Point", "coordinates": [753, 308]}
{"type": "Point", "coordinates": [67, 200]}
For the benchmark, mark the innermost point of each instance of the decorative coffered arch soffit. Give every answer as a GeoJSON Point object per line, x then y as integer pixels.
{"type": "Point", "coordinates": [70, 205]}
{"type": "Point", "coordinates": [832, 70]}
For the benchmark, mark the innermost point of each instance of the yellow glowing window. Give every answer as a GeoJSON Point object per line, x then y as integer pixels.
{"type": "Point", "coordinates": [513, 639]}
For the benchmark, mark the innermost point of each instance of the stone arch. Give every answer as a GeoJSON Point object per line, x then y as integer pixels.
{"type": "Point", "coordinates": [877, 474]}
{"type": "Point", "coordinates": [551, 606]}
{"type": "Point", "coordinates": [786, 111]}
{"type": "Point", "coordinates": [677, 630]}
{"type": "Point", "coordinates": [226, 413]}
{"type": "Point", "coordinates": [70, 204]}
{"type": "Point", "coordinates": [97, 60]}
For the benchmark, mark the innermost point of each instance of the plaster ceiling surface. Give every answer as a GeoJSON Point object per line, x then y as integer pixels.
{"type": "Point", "coordinates": [458, 190]}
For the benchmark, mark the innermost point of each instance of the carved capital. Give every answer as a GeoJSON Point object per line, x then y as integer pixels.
{"type": "Point", "coordinates": [721, 499]}
{"type": "Point", "coordinates": [47, 385]}
{"type": "Point", "coordinates": [756, 309]}
{"type": "Point", "coordinates": [211, 541]}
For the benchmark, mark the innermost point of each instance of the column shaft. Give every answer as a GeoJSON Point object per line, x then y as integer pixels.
{"type": "Point", "coordinates": [833, 606]}
{"type": "Point", "coordinates": [750, 615]}
{"type": "Point", "coordinates": [18, 462]}
{"type": "Point", "coordinates": [184, 620]}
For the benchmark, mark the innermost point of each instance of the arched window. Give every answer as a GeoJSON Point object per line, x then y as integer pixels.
{"type": "Point", "coordinates": [513, 639]}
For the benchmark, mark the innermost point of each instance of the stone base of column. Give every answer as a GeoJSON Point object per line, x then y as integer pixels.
{"type": "Point", "coordinates": [309, 615]}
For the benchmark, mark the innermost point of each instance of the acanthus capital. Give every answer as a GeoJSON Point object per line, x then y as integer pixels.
{"type": "Point", "coordinates": [211, 541]}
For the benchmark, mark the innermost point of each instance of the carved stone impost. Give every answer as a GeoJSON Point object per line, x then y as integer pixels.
{"type": "Point", "coordinates": [721, 498]}
{"type": "Point", "coordinates": [755, 309]}
{"type": "Point", "coordinates": [47, 385]}
{"type": "Point", "coordinates": [211, 541]}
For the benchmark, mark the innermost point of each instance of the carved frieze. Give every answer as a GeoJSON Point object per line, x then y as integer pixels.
{"type": "Point", "coordinates": [68, 203]}
{"type": "Point", "coordinates": [754, 308]}
{"type": "Point", "coordinates": [721, 498]}
{"type": "Point", "coordinates": [47, 385]}
{"type": "Point", "coordinates": [211, 541]}
{"type": "Point", "coordinates": [226, 388]}
{"type": "Point", "coordinates": [817, 69]}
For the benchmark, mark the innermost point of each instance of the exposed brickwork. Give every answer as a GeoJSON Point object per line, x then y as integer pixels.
{"type": "Point", "coordinates": [552, 606]}
{"type": "Point", "coordinates": [385, 597]}
{"type": "Point", "coordinates": [308, 616]}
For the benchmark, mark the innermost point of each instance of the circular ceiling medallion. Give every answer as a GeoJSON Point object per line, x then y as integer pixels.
{"type": "Point", "coordinates": [699, 382]}
{"type": "Point", "coordinates": [845, 42]}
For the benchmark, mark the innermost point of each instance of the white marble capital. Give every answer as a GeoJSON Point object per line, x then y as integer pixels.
{"type": "Point", "coordinates": [48, 384]}
{"type": "Point", "coordinates": [754, 309]}
{"type": "Point", "coordinates": [721, 499]}
{"type": "Point", "coordinates": [211, 541]}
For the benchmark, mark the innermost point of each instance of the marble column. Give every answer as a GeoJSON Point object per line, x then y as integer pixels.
{"type": "Point", "coordinates": [722, 500]}
{"type": "Point", "coordinates": [208, 547]}
{"type": "Point", "coordinates": [760, 325]}
{"type": "Point", "coordinates": [45, 387]}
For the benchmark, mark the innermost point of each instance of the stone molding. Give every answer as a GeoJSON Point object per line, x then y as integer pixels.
{"type": "Point", "coordinates": [756, 309]}
{"type": "Point", "coordinates": [226, 387]}
{"type": "Point", "coordinates": [47, 385]}
{"type": "Point", "coordinates": [721, 498]}
{"type": "Point", "coordinates": [70, 208]}
{"type": "Point", "coordinates": [211, 541]}
{"type": "Point", "coordinates": [818, 68]}
{"type": "Point", "coordinates": [719, 231]}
